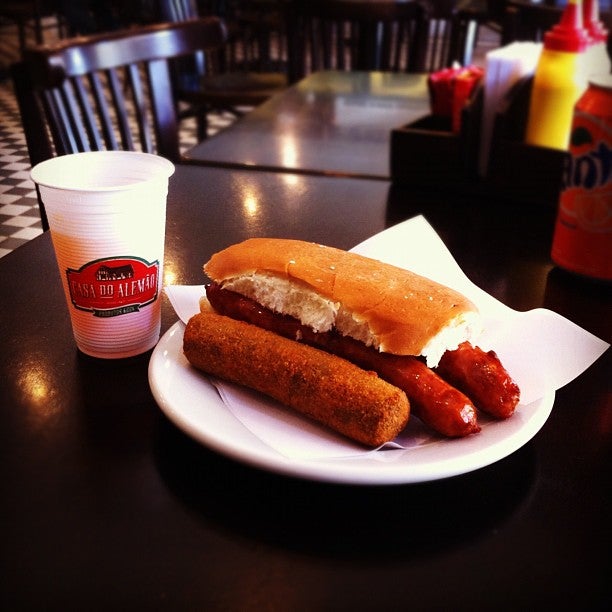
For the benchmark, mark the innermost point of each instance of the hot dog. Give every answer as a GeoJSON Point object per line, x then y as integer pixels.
{"type": "Point", "coordinates": [382, 318]}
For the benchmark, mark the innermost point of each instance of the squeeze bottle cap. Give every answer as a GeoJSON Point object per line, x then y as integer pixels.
{"type": "Point", "coordinates": [596, 29]}
{"type": "Point", "coordinates": [569, 34]}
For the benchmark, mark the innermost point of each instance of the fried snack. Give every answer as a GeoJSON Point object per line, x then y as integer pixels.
{"type": "Point", "coordinates": [326, 388]}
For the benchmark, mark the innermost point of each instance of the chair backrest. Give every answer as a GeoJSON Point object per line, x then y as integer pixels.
{"type": "Point", "coordinates": [177, 10]}
{"type": "Point", "coordinates": [109, 91]}
{"type": "Point", "coordinates": [527, 21]}
{"type": "Point", "coordinates": [188, 72]}
{"type": "Point", "coordinates": [451, 37]}
{"type": "Point", "coordinates": [355, 35]}
{"type": "Point", "coordinates": [33, 16]}
{"type": "Point", "coordinates": [254, 27]}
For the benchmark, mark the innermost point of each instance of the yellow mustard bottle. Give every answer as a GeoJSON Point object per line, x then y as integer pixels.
{"type": "Point", "coordinates": [560, 79]}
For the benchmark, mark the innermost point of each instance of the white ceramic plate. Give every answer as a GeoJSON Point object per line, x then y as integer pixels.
{"type": "Point", "coordinates": [193, 404]}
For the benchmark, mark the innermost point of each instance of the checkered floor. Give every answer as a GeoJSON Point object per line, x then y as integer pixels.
{"type": "Point", "coordinates": [19, 217]}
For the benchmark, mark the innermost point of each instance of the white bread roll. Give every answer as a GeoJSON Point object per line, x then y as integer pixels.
{"type": "Point", "coordinates": [392, 309]}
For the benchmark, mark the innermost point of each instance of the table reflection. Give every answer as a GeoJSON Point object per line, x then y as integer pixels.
{"type": "Point", "coordinates": [335, 123]}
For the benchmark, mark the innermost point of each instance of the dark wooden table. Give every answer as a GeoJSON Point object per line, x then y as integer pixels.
{"type": "Point", "coordinates": [329, 123]}
{"type": "Point", "coordinates": [106, 505]}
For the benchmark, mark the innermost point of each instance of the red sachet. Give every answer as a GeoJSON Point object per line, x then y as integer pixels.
{"type": "Point", "coordinates": [450, 89]}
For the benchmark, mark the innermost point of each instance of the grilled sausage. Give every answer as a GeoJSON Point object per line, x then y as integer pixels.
{"type": "Point", "coordinates": [482, 377]}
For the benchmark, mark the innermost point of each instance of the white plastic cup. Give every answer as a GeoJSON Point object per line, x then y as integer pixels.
{"type": "Point", "coordinates": [107, 217]}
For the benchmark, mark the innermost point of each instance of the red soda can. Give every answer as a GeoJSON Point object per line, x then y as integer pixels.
{"type": "Point", "coordinates": [582, 241]}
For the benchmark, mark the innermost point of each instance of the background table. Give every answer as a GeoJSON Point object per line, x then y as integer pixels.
{"type": "Point", "coordinates": [106, 505]}
{"type": "Point", "coordinates": [329, 123]}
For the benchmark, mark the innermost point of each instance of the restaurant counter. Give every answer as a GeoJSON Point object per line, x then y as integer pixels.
{"type": "Point", "coordinates": [108, 505]}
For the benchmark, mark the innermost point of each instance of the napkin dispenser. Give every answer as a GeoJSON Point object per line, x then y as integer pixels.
{"type": "Point", "coordinates": [426, 153]}
{"type": "Point", "coordinates": [522, 172]}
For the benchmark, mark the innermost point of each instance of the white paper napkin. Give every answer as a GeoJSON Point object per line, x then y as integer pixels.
{"type": "Point", "coordinates": [541, 350]}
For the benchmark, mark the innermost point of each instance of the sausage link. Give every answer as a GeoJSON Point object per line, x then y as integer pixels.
{"type": "Point", "coordinates": [332, 391]}
{"type": "Point", "coordinates": [436, 403]}
{"type": "Point", "coordinates": [439, 405]}
{"type": "Point", "coordinates": [481, 375]}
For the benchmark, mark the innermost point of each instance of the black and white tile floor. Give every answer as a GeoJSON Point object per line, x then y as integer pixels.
{"type": "Point", "coordinates": [19, 216]}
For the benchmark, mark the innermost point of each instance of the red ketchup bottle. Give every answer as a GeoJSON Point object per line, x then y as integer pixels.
{"type": "Point", "coordinates": [582, 242]}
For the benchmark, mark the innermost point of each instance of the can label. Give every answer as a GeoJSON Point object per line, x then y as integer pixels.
{"type": "Point", "coordinates": [114, 286]}
{"type": "Point", "coordinates": [582, 241]}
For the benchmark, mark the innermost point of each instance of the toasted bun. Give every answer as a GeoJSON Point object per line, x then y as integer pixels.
{"type": "Point", "coordinates": [393, 309]}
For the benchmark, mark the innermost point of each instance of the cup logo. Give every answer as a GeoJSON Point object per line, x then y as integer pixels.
{"type": "Point", "coordinates": [114, 286]}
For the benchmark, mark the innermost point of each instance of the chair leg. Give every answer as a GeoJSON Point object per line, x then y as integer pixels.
{"type": "Point", "coordinates": [38, 30]}
{"type": "Point", "coordinates": [41, 209]}
{"type": "Point", "coordinates": [21, 27]}
{"type": "Point", "coordinates": [202, 123]}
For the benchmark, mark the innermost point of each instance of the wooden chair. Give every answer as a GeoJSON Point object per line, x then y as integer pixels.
{"type": "Point", "coordinates": [261, 35]}
{"type": "Point", "coordinates": [452, 36]}
{"type": "Point", "coordinates": [527, 21]}
{"type": "Point", "coordinates": [355, 35]}
{"type": "Point", "coordinates": [28, 16]}
{"type": "Point", "coordinates": [107, 91]}
{"type": "Point", "coordinates": [233, 77]}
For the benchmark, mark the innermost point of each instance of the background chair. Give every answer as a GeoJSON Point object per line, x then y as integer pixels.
{"type": "Point", "coordinates": [242, 73]}
{"type": "Point", "coordinates": [107, 91]}
{"type": "Point", "coordinates": [527, 21]}
{"type": "Point", "coordinates": [354, 35]}
{"type": "Point", "coordinates": [29, 17]}
{"type": "Point", "coordinates": [452, 35]}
